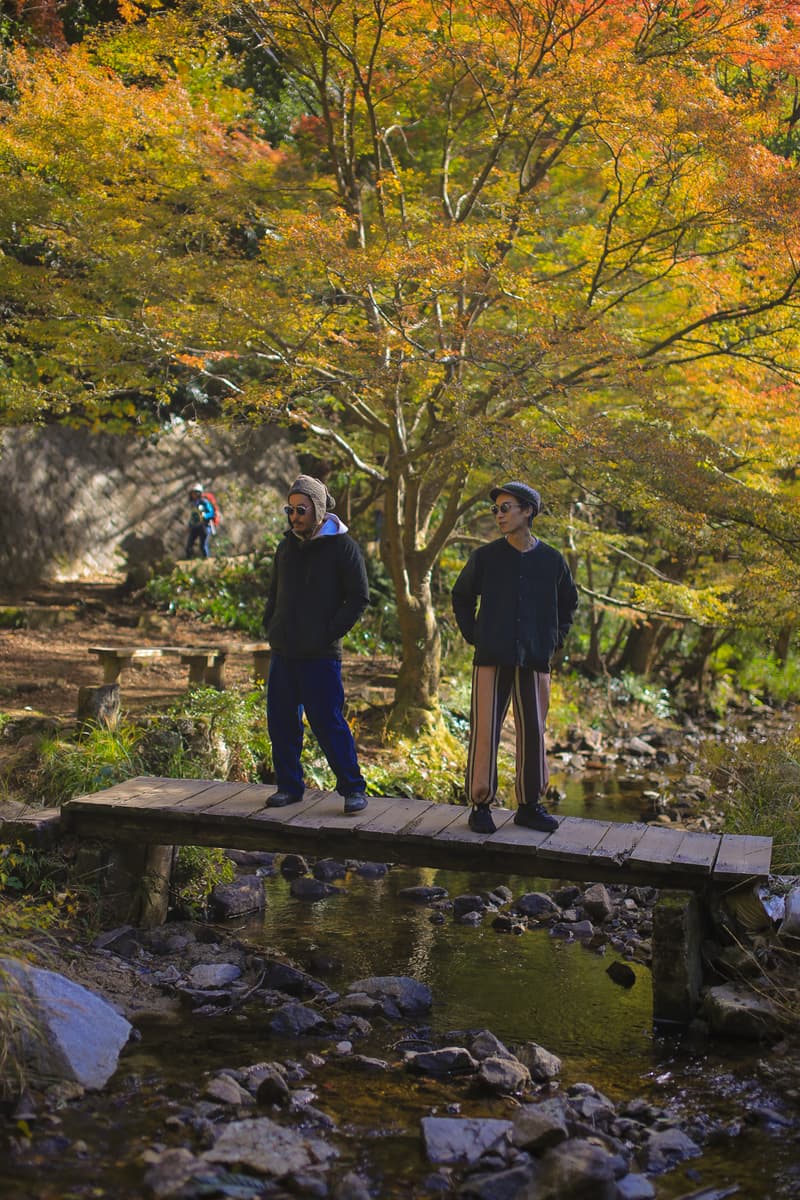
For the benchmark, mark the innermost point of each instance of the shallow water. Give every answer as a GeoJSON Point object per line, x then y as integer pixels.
{"type": "Point", "coordinates": [533, 987]}
{"type": "Point", "coordinates": [527, 987]}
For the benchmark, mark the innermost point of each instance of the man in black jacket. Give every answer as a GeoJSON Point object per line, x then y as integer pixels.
{"type": "Point", "coordinates": [317, 593]}
{"type": "Point", "coordinates": [527, 603]}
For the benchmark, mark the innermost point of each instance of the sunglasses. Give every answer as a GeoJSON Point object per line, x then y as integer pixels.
{"type": "Point", "coordinates": [300, 509]}
{"type": "Point", "coordinates": [505, 507]}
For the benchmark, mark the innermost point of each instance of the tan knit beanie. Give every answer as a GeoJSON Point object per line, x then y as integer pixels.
{"type": "Point", "coordinates": [317, 493]}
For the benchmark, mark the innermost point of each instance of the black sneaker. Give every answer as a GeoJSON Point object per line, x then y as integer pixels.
{"type": "Point", "coordinates": [280, 799]}
{"type": "Point", "coordinates": [481, 820]}
{"type": "Point", "coordinates": [535, 816]}
{"type": "Point", "coordinates": [354, 803]}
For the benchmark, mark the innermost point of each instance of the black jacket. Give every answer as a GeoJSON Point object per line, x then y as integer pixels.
{"type": "Point", "coordinates": [317, 592]}
{"type": "Point", "coordinates": [527, 603]}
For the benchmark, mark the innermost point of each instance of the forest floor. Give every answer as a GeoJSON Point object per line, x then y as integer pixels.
{"type": "Point", "coordinates": [46, 660]}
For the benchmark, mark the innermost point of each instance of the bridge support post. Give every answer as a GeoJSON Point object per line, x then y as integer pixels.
{"type": "Point", "coordinates": [132, 880]}
{"type": "Point", "coordinates": [678, 934]}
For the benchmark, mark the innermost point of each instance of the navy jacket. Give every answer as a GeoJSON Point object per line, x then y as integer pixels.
{"type": "Point", "coordinates": [317, 593]}
{"type": "Point", "coordinates": [527, 604]}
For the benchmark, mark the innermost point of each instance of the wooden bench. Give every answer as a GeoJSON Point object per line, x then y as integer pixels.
{"type": "Point", "coordinates": [206, 663]}
{"type": "Point", "coordinates": [114, 658]}
{"type": "Point", "coordinates": [260, 652]}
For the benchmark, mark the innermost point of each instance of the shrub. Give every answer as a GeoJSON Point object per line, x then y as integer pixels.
{"type": "Point", "coordinates": [197, 871]}
{"type": "Point", "coordinates": [98, 758]}
{"type": "Point", "coordinates": [236, 717]}
{"type": "Point", "coordinates": [227, 592]}
{"type": "Point", "coordinates": [762, 786]}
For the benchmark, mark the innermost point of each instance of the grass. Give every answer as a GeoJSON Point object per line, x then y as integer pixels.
{"type": "Point", "coordinates": [761, 788]}
{"type": "Point", "coordinates": [34, 906]}
{"type": "Point", "coordinates": [96, 759]}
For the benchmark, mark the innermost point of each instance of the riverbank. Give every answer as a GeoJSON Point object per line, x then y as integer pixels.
{"type": "Point", "coordinates": [299, 1018]}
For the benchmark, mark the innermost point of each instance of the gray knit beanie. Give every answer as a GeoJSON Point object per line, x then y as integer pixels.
{"type": "Point", "coordinates": [318, 494]}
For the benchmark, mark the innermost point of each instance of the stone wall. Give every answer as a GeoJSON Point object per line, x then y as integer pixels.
{"type": "Point", "coordinates": [71, 501]}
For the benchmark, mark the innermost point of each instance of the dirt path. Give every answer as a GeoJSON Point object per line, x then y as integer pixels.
{"type": "Point", "coordinates": [43, 664]}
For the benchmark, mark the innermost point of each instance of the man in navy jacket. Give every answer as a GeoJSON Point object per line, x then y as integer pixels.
{"type": "Point", "coordinates": [514, 601]}
{"type": "Point", "coordinates": [317, 593]}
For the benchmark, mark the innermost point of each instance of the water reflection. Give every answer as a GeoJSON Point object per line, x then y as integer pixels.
{"type": "Point", "coordinates": [533, 987]}
{"type": "Point", "coordinates": [529, 987]}
{"type": "Point", "coordinates": [606, 796]}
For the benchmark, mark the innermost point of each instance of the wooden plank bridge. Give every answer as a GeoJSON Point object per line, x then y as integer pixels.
{"type": "Point", "coordinates": [206, 812]}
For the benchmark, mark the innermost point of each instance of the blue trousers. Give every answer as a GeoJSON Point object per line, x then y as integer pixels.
{"type": "Point", "coordinates": [198, 533]}
{"type": "Point", "coordinates": [313, 685]}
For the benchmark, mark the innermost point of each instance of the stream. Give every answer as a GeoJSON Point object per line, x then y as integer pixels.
{"type": "Point", "coordinates": [528, 987]}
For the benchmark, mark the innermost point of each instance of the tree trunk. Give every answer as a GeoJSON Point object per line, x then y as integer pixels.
{"type": "Point", "coordinates": [416, 704]}
{"type": "Point", "coordinates": [640, 646]}
{"type": "Point", "coordinates": [783, 642]}
{"type": "Point", "coordinates": [409, 552]}
{"type": "Point", "coordinates": [594, 665]}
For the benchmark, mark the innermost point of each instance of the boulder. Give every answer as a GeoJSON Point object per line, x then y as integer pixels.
{"type": "Point", "coordinates": [539, 1127]}
{"type": "Point", "coordinates": [244, 895]}
{"type": "Point", "coordinates": [99, 705]}
{"type": "Point", "coordinates": [735, 1010]}
{"type": "Point", "coordinates": [66, 1031]}
{"type": "Point", "coordinates": [411, 998]}
{"type": "Point", "coordinates": [597, 903]}
{"type": "Point", "coordinates": [504, 1076]}
{"type": "Point", "coordinates": [790, 925]}
{"type": "Point", "coordinates": [573, 1170]}
{"type": "Point", "coordinates": [293, 1020]}
{"type": "Point", "coordinates": [463, 1140]}
{"type": "Point", "coordinates": [267, 1147]}
{"type": "Point", "coordinates": [537, 905]}
{"type": "Point", "coordinates": [449, 1060]}
{"type": "Point", "coordinates": [542, 1065]}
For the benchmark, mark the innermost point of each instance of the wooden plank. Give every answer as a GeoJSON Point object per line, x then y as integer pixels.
{"type": "Point", "coordinates": [328, 813]}
{"type": "Point", "coordinates": [168, 795]}
{"type": "Point", "coordinates": [460, 831]}
{"type": "Point", "coordinates": [136, 791]}
{"type": "Point", "coordinates": [393, 819]}
{"type": "Point", "coordinates": [619, 842]}
{"type": "Point", "coordinates": [657, 847]}
{"type": "Point", "coordinates": [511, 835]}
{"type": "Point", "coordinates": [313, 808]}
{"type": "Point", "coordinates": [697, 852]}
{"type": "Point", "coordinates": [207, 798]}
{"type": "Point", "coordinates": [330, 816]}
{"type": "Point", "coordinates": [128, 787]}
{"type": "Point", "coordinates": [432, 820]}
{"type": "Point", "coordinates": [741, 856]}
{"type": "Point", "coordinates": [247, 802]}
{"type": "Point", "coordinates": [574, 840]}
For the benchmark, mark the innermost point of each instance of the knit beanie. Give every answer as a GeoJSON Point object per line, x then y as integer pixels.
{"type": "Point", "coordinates": [523, 492]}
{"type": "Point", "coordinates": [317, 493]}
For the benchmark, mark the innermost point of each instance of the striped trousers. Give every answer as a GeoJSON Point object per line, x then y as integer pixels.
{"type": "Point", "coordinates": [493, 688]}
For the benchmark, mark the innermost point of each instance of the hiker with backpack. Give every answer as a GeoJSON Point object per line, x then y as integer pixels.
{"type": "Point", "coordinates": [201, 521]}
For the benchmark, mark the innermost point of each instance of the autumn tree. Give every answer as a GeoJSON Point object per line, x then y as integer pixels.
{"type": "Point", "coordinates": [525, 231]}
{"type": "Point", "coordinates": [555, 238]}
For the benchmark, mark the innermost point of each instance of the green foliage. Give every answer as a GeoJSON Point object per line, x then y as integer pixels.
{"type": "Point", "coordinates": [631, 689]}
{"type": "Point", "coordinates": [568, 704]}
{"type": "Point", "coordinates": [236, 717]}
{"type": "Point", "coordinates": [377, 630]}
{"type": "Point", "coordinates": [98, 758]}
{"type": "Point", "coordinates": [227, 592]}
{"type": "Point", "coordinates": [762, 675]}
{"type": "Point", "coordinates": [430, 766]}
{"type": "Point", "coordinates": [198, 870]}
{"type": "Point", "coordinates": [762, 786]}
